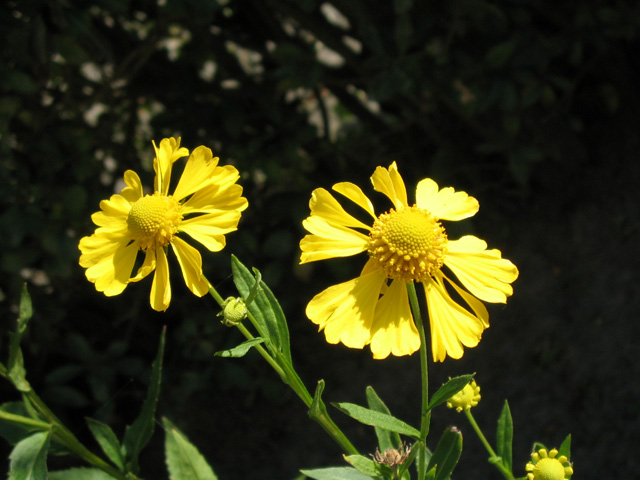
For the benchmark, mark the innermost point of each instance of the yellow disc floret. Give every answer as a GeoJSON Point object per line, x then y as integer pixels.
{"type": "Point", "coordinates": [466, 398]}
{"type": "Point", "coordinates": [153, 220]}
{"type": "Point", "coordinates": [548, 466]}
{"type": "Point", "coordinates": [408, 244]}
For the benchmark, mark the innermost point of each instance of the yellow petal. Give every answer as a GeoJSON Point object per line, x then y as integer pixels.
{"type": "Point", "coordinates": [133, 190]}
{"type": "Point", "coordinates": [394, 331]}
{"type": "Point", "coordinates": [345, 311]}
{"type": "Point", "coordinates": [191, 264]}
{"type": "Point", "coordinates": [446, 204]}
{"type": "Point", "coordinates": [391, 184]}
{"type": "Point", "coordinates": [168, 152]}
{"type": "Point", "coordinates": [483, 272]}
{"type": "Point", "coordinates": [111, 274]}
{"type": "Point", "coordinates": [103, 243]}
{"type": "Point", "coordinates": [356, 195]}
{"type": "Point", "coordinates": [452, 327]}
{"type": "Point", "coordinates": [330, 241]}
{"type": "Point", "coordinates": [148, 266]}
{"type": "Point", "coordinates": [113, 212]}
{"type": "Point", "coordinates": [161, 287]}
{"type": "Point", "coordinates": [215, 199]}
{"type": "Point", "coordinates": [209, 229]}
{"type": "Point", "coordinates": [476, 305]}
{"type": "Point", "coordinates": [324, 205]}
{"type": "Point", "coordinates": [197, 172]}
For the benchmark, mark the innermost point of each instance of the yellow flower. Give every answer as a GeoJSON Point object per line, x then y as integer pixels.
{"type": "Point", "coordinates": [548, 466]}
{"type": "Point", "coordinates": [205, 205]}
{"type": "Point", "coordinates": [406, 244]}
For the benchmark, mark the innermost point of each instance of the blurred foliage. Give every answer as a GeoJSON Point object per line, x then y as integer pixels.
{"type": "Point", "coordinates": [296, 94]}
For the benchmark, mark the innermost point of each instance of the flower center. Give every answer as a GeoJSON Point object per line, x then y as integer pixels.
{"type": "Point", "coordinates": [408, 244]}
{"type": "Point", "coordinates": [153, 220]}
{"type": "Point", "coordinates": [548, 469]}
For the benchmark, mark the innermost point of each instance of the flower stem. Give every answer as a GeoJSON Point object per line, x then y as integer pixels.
{"type": "Point", "coordinates": [505, 472]}
{"type": "Point", "coordinates": [425, 413]}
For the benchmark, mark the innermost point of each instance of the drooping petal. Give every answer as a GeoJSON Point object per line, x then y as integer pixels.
{"type": "Point", "coordinates": [191, 264]}
{"type": "Point", "coordinates": [111, 274]}
{"type": "Point", "coordinates": [133, 190]}
{"type": "Point", "coordinates": [197, 174]}
{"type": "Point", "coordinates": [394, 331]}
{"type": "Point", "coordinates": [113, 212]}
{"type": "Point", "coordinates": [483, 272]}
{"type": "Point", "coordinates": [103, 243]}
{"type": "Point", "coordinates": [452, 327]}
{"type": "Point", "coordinates": [476, 305]}
{"type": "Point", "coordinates": [324, 205]}
{"type": "Point", "coordinates": [215, 199]}
{"type": "Point", "coordinates": [446, 204]}
{"type": "Point", "coordinates": [168, 152]}
{"type": "Point", "coordinates": [391, 184]}
{"type": "Point", "coordinates": [330, 241]}
{"type": "Point", "coordinates": [148, 266]}
{"type": "Point", "coordinates": [161, 287]}
{"type": "Point", "coordinates": [356, 195]}
{"type": "Point", "coordinates": [210, 229]}
{"type": "Point", "coordinates": [345, 311]}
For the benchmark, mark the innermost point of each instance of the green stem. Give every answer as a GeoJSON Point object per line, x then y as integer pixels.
{"type": "Point", "coordinates": [425, 413]}
{"type": "Point", "coordinates": [290, 377]}
{"type": "Point", "coordinates": [505, 472]}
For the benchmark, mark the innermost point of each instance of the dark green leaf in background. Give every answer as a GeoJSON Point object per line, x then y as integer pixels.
{"type": "Point", "coordinates": [447, 453]}
{"type": "Point", "coordinates": [107, 441]}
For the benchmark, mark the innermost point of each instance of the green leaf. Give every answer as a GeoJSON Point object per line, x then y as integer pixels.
{"type": "Point", "coordinates": [137, 435]}
{"type": "Point", "coordinates": [15, 365]}
{"type": "Point", "coordinates": [107, 441]}
{"type": "Point", "coordinates": [184, 461]}
{"type": "Point", "coordinates": [29, 458]}
{"type": "Point", "coordinates": [272, 324]}
{"type": "Point", "coordinates": [80, 474]}
{"type": "Point", "coordinates": [377, 419]}
{"type": "Point", "coordinates": [336, 473]}
{"type": "Point", "coordinates": [25, 310]}
{"type": "Point", "coordinates": [565, 447]}
{"type": "Point", "coordinates": [386, 438]}
{"type": "Point", "coordinates": [17, 422]}
{"type": "Point", "coordinates": [318, 408]}
{"type": "Point", "coordinates": [446, 391]}
{"type": "Point", "coordinates": [447, 453]}
{"type": "Point", "coordinates": [241, 350]}
{"type": "Point", "coordinates": [504, 436]}
{"type": "Point", "coordinates": [367, 466]}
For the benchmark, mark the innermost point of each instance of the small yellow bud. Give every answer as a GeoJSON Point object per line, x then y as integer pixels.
{"type": "Point", "coordinates": [548, 466]}
{"type": "Point", "coordinates": [233, 311]}
{"type": "Point", "coordinates": [466, 398]}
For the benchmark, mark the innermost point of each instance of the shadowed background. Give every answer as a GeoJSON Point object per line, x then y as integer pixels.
{"type": "Point", "coordinates": [531, 107]}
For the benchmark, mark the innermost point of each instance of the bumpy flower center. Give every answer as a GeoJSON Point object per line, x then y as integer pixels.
{"type": "Point", "coordinates": [408, 244]}
{"type": "Point", "coordinates": [548, 469]}
{"type": "Point", "coordinates": [153, 220]}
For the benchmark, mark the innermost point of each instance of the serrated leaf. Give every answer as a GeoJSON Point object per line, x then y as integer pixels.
{"type": "Point", "coordinates": [377, 419]}
{"type": "Point", "coordinates": [335, 473]}
{"type": "Point", "coordinates": [447, 453]}
{"type": "Point", "coordinates": [107, 441]}
{"type": "Point", "coordinates": [272, 323]}
{"type": "Point", "coordinates": [450, 388]}
{"type": "Point", "coordinates": [29, 458]}
{"type": "Point", "coordinates": [386, 439]}
{"type": "Point", "coordinates": [504, 436]}
{"type": "Point", "coordinates": [367, 466]}
{"type": "Point", "coordinates": [138, 434]}
{"type": "Point", "coordinates": [80, 474]}
{"type": "Point", "coordinates": [184, 461]}
{"type": "Point", "coordinates": [241, 350]}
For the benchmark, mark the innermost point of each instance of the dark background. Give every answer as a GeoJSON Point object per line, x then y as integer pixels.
{"type": "Point", "coordinates": [531, 107]}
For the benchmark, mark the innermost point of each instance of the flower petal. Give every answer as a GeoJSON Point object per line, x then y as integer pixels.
{"type": "Point", "coordinates": [483, 272]}
{"type": "Point", "coordinates": [446, 204]}
{"type": "Point", "coordinates": [215, 199]}
{"type": "Point", "coordinates": [191, 264]}
{"type": "Point", "coordinates": [197, 172]}
{"type": "Point", "coordinates": [356, 195]}
{"type": "Point", "coordinates": [103, 243]}
{"type": "Point", "coordinates": [111, 274]}
{"type": "Point", "coordinates": [330, 241]}
{"type": "Point", "coordinates": [161, 287]}
{"type": "Point", "coordinates": [476, 305]}
{"type": "Point", "coordinates": [113, 212]}
{"type": "Point", "coordinates": [324, 205]}
{"type": "Point", "coordinates": [148, 266]}
{"type": "Point", "coordinates": [168, 152]}
{"type": "Point", "coordinates": [394, 331]}
{"type": "Point", "coordinates": [391, 184]}
{"type": "Point", "coordinates": [209, 229]}
{"type": "Point", "coordinates": [133, 190]}
{"type": "Point", "coordinates": [345, 311]}
{"type": "Point", "coordinates": [451, 325]}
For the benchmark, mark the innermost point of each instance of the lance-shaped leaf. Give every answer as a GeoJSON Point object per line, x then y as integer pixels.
{"type": "Point", "coordinates": [270, 319]}
{"type": "Point", "coordinates": [28, 460]}
{"type": "Point", "coordinates": [241, 350]}
{"type": "Point", "coordinates": [184, 461]}
{"type": "Point", "coordinates": [447, 453]}
{"type": "Point", "coordinates": [565, 447]}
{"type": "Point", "coordinates": [80, 474]}
{"type": "Point", "coordinates": [107, 441]}
{"type": "Point", "coordinates": [446, 391]}
{"type": "Point", "coordinates": [367, 466]}
{"type": "Point", "coordinates": [377, 419]}
{"type": "Point", "coordinates": [138, 434]}
{"type": "Point", "coordinates": [15, 365]}
{"type": "Point", "coordinates": [335, 473]}
{"type": "Point", "coordinates": [504, 436]}
{"type": "Point", "coordinates": [386, 438]}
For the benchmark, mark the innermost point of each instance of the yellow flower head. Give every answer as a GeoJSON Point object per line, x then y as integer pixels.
{"type": "Point", "coordinates": [205, 205]}
{"type": "Point", "coordinates": [548, 466]}
{"type": "Point", "coordinates": [406, 244]}
{"type": "Point", "coordinates": [466, 398]}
